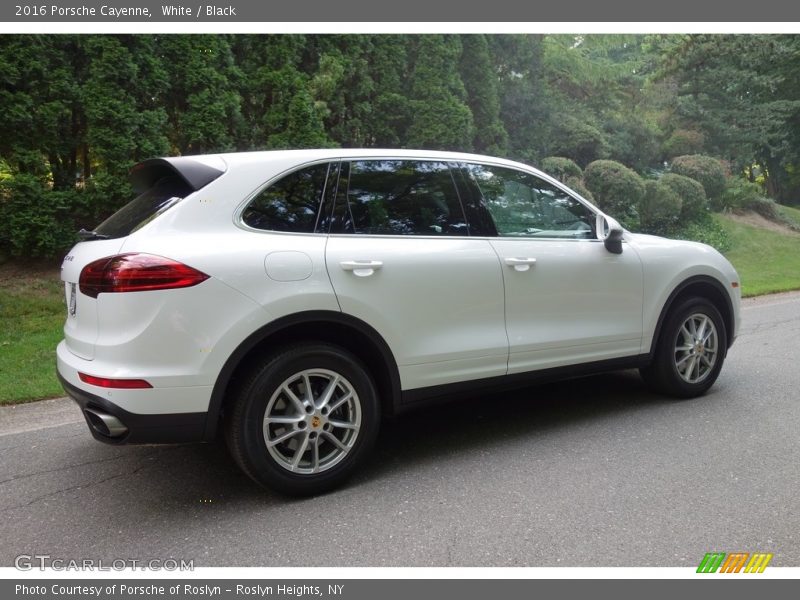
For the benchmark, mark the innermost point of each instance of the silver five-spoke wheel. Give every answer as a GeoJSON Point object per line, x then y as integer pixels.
{"type": "Point", "coordinates": [312, 421]}
{"type": "Point", "coordinates": [689, 352]}
{"type": "Point", "coordinates": [696, 348]}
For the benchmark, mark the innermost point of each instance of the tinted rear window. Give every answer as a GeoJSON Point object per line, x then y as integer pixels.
{"type": "Point", "coordinates": [164, 194]}
{"type": "Point", "coordinates": [403, 197]}
{"type": "Point", "coordinates": [290, 204]}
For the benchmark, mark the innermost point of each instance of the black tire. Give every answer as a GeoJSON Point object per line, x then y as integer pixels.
{"type": "Point", "coordinates": [663, 374]}
{"type": "Point", "coordinates": [246, 431]}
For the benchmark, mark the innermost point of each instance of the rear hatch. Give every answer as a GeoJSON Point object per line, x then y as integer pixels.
{"type": "Point", "coordinates": [160, 183]}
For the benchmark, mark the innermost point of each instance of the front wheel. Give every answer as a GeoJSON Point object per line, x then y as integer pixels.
{"type": "Point", "coordinates": [304, 419]}
{"type": "Point", "coordinates": [690, 350]}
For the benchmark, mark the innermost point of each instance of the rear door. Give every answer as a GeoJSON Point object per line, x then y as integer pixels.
{"type": "Point", "coordinates": [401, 259]}
{"type": "Point", "coordinates": [567, 299]}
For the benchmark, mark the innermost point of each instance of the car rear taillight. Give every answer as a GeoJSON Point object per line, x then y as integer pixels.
{"type": "Point", "coordinates": [136, 273]}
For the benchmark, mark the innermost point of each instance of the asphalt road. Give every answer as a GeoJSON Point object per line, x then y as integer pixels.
{"type": "Point", "coordinates": [590, 472]}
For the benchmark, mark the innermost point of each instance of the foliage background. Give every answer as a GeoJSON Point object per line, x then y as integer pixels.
{"type": "Point", "coordinates": [80, 110]}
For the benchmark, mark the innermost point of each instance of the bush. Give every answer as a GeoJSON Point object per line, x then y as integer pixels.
{"type": "Point", "coordinates": [35, 222]}
{"type": "Point", "coordinates": [707, 231]}
{"type": "Point", "coordinates": [742, 195]}
{"type": "Point", "coordinates": [104, 195]}
{"type": "Point", "coordinates": [561, 168]}
{"type": "Point", "coordinates": [705, 169]}
{"type": "Point", "coordinates": [692, 195]}
{"type": "Point", "coordinates": [577, 185]}
{"type": "Point", "coordinates": [659, 209]}
{"type": "Point", "coordinates": [738, 195]}
{"type": "Point", "coordinates": [767, 208]}
{"type": "Point", "coordinates": [580, 141]}
{"type": "Point", "coordinates": [682, 142]}
{"type": "Point", "coordinates": [617, 190]}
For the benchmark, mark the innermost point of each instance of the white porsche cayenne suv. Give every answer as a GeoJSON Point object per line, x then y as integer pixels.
{"type": "Point", "coordinates": [290, 299]}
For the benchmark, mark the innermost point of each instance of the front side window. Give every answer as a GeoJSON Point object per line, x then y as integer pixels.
{"type": "Point", "coordinates": [401, 197]}
{"type": "Point", "coordinates": [290, 204]}
{"type": "Point", "coordinates": [523, 205]}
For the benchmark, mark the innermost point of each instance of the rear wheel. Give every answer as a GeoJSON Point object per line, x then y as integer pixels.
{"type": "Point", "coordinates": [690, 350]}
{"type": "Point", "coordinates": [304, 420]}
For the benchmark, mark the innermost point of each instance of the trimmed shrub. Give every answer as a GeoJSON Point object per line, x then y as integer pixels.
{"type": "Point", "coordinates": [561, 168]}
{"type": "Point", "coordinates": [577, 185]}
{"type": "Point", "coordinates": [617, 190]}
{"type": "Point", "coordinates": [705, 169]}
{"type": "Point", "coordinates": [693, 196]}
{"type": "Point", "coordinates": [767, 208]}
{"type": "Point", "coordinates": [682, 142]}
{"type": "Point", "coordinates": [659, 209]}
{"type": "Point", "coordinates": [580, 141]}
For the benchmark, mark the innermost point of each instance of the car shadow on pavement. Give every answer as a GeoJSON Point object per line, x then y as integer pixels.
{"type": "Point", "coordinates": [181, 488]}
{"type": "Point", "coordinates": [431, 433]}
{"type": "Point", "coordinates": [525, 414]}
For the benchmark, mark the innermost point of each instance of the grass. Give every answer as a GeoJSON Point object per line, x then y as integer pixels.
{"type": "Point", "coordinates": [32, 312]}
{"type": "Point", "coordinates": [767, 261]}
{"type": "Point", "coordinates": [790, 215]}
{"type": "Point", "coordinates": [32, 306]}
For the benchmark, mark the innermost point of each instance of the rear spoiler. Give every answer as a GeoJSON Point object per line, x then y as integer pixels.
{"type": "Point", "coordinates": [196, 174]}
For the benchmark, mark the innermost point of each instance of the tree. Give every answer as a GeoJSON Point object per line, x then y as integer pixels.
{"type": "Point", "coordinates": [203, 103]}
{"type": "Point", "coordinates": [524, 105]}
{"type": "Point", "coordinates": [441, 118]}
{"type": "Point", "coordinates": [40, 100]}
{"type": "Point", "coordinates": [480, 82]}
{"type": "Point", "coordinates": [743, 93]}
{"type": "Point", "coordinates": [606, 109]}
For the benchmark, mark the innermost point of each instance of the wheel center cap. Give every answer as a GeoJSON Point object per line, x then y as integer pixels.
{"type": "Point", "coordinates": [316, 422]}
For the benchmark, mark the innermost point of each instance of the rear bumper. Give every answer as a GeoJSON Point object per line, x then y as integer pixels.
{"type": "Point", "coordinates": [138, 428]}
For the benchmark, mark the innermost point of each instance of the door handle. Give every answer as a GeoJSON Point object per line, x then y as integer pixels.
{"type": "Point", "coordinates": [361, 268]}
{"type": "Point", "coordinates": [520, 264]}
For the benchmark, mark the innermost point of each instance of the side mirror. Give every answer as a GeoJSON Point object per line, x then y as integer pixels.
{"type": "Point", "coordinates": [610, 232]}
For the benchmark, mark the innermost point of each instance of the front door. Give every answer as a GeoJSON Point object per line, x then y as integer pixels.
{"type": "Point", "coordinates": [568, 300]}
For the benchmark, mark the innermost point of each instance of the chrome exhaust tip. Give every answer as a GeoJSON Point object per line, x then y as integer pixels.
{"type": "Point", "coordinates": [105, 424]}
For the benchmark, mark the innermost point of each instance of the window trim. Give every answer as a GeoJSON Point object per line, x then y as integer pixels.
{"type": "Point", "coordinates": [344, 176]}
{"type": "Point", "coordinates": [593, 210]}
{"type": "Point", "coordinates": [459, 161]}
{"type": "Point", "coordinates": [238, 221]}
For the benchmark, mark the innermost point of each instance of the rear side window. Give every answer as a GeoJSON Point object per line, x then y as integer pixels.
{"type": "Point", "coordinates": [162, 195]}
{"type": "Point", "coordinates": [289, 204]}
{"type": "Point", "coordinates": [402, 197]}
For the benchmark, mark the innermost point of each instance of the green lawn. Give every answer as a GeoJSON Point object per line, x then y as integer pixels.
{"type": "Point", "coordinates": [767, 261]}
{"type": "Point", "coordinates": [32, 314]}
{"type": "Point", "coordinates": [791, 215]}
